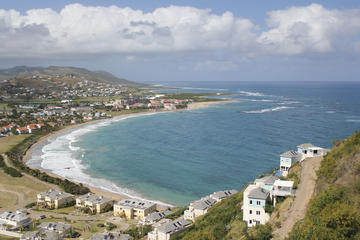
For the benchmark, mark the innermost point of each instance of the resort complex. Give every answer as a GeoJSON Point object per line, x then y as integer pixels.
{"type": "Point", "coordinates": [133, 208]}
{"type": "Point", "coordinates": [55, 199]}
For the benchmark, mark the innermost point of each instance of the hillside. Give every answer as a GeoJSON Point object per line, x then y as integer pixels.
{"type": "Point", "coordinates": [333, 212]}
{"type": "Point", "coordinates": [24, 72]}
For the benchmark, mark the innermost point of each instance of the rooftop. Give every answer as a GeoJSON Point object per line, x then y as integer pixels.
{"type": "Point", "coordinates": [269, 179]}
{"type": "Point", "coordinates": [174, 226]}
{"type": "Point", "coordinates": [54, 194]}
{"type": "Point", "coordinates": [203, 203]}
{"type": "Point", "coordinates": [259, 193]}
{"type": "Point", "coordinates": [135, 203]}
{"type": "Point", "coordinates": [55, 226]}
{"type": "Point", "coordinates": [16, 217]}
{"type": "Point", "coordinates": [290, 153]}
{"type": "Point", "coordinates": [223, 194]}
{"type": "Point", "coordinates": [306, 145]}
{"type": "Point", "coordinates": [158, 215]}
{"type": "Point", "coordinates": [283, 183]}
{"type": "Point", "coordinates": [93, 198]}
{"type": "Point", "coordinates": [110, 235]}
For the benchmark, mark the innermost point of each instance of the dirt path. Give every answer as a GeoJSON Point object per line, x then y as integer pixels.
{"type": "Point", "coordinates": [303, 196]}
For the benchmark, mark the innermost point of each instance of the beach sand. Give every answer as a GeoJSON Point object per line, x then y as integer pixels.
{"type": "Point", "coordinates": [98, 191]}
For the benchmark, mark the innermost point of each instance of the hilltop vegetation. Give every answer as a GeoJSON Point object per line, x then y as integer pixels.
{"type": "Point", "coordinates": [24, 72]}
{"type": "Point", "coordinates": [334, 212]}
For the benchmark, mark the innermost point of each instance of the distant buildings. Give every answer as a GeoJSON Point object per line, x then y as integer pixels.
{"type": "Point", "coordinates": [134, 208]}
{"type": "Point", "coordinates": [55, 199]}
{"type": "Point", "coordinates": [110, 236]}
{"type": "Point", "coordinates": [96, 204]}
{"type": "Point", "coordinates": [166, 231]}
{"type": "Point", "coordinates": [62, 229]}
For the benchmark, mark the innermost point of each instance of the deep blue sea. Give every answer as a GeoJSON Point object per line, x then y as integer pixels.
{"type": "Point", "coordinates": [181, 156]}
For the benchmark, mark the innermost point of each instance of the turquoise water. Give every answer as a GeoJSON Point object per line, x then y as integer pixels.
{"type": "Point", "coordinates": [182, 156]}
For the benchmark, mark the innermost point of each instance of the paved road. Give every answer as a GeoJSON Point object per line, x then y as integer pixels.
{"type": "Point", "coordinates": [303, 195]}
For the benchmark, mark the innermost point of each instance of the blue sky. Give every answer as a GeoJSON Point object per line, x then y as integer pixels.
{"type": "Point", "coordinates": [278, 40]}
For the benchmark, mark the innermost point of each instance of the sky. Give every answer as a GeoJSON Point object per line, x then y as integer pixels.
{"type": "Point", "coordinates": [182, 40]}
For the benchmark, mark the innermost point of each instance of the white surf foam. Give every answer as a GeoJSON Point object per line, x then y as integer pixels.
{"type": "Point", "coordinates": [330, 112]}
{"type": "Point", "coordinates": [352, 120]}
{"type": "Point", "coordinates": [251, 94]}
{"type": "Point", "coordinates": [60, 157]}
{"type": "Point", "coordinates": [268, 110]}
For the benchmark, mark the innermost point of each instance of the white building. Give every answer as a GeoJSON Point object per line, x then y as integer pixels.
{"type": "Point", "coordinates": [309, 150]}
{"type": "Point", "coordinates": [283, 188]}
{"type": "Point", "coordinates": [96, 204]}
{"type": "Point", "coordinates": [155, 217]}
{"type": "Point", "coordinates": [166, 231]}
{"type": "Point", "coordinates": [15, 220]}
{"type": "Point", "coordinates": [254, 203]}
{"type": "Point", "coordinates": [266, 182]}
{"type": "Point", "coordinates": [199, 208]}
{"type": "Point", "coordinates": [61, 229]}
{"type": "Point", "coordinates": [287, 159]}
{"type": "Point", "coordinates": [220, 195]}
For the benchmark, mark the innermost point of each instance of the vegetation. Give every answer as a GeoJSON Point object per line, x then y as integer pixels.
{"type": "Point", "coordinates": [196, 97]}
{"type": "Point", "coordinates": [334, 213]}
{"type": "Point", "coordinates": [177, 213]}
{"type": "Point", "coordinates": [9, 170]}
{"type": "Point", "coordinates": [139, 232]}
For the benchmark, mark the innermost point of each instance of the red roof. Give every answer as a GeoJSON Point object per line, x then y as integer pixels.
{"type": "Point", "coordinates": [22, 129]}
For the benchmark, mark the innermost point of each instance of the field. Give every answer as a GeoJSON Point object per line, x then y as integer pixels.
{"type": "Point", "coordinates": [7, 142]}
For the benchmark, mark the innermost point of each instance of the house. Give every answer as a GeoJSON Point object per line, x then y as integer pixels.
{"type": "Point", "coordinates": [22, 130]}
{"type": "Point", "coordinates": [266, 182]}
{"type": "Point", "coordinates": [155, 217]}
{"type": "Point", "coordinates": [166, 231]}
{"type": "Point", "coordinates": [40, 235]}
{"type": "Point", "coordinates": [254, 202]}
{"type": "Point", "coordinates": [16, 220]}
{"type": "Point", "coordinates": [32, 128]}
{"type": "Point", "coordinates": [134, 208]}
{"type": "Point", "coordinates": [287, 159]}
{"type": "Point", "coordinates": [282, 189]}
{"type": "Point", "coordinates": [199, 208]}
{"type": "Point", "coordinates": [110, 236]}
{"type": "Point", "coordinates": [55, 199]}
{"type": "Point", "coordinates": [62, 229]}
{"type": "Point", "coordinates": [309, 150]}
{"type": "Point", "coordinates": [95, 203]}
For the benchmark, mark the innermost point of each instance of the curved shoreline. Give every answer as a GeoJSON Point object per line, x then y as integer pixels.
{"type": "Point", "coordinates": [97, 189]}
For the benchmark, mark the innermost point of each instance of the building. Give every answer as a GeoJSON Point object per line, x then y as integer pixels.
{"type": "Point", "coordinates": [134, 208]}
{"type": "Point", "coordinates": [220, 195]}
{"type": "Point", "coordinates": [266, 182]}
{"type": "Point", "coordinates": [96, 204]}
{"type": "Point", "coordinates": [283, 188]}
{"type": "Point", "coordinates": [254, 202]}
{"type": "Point", "coordinates": [309, 150]}
{"type": "Point", "coordinates": [166, 231]}
{"type": "Point", "coordinates": [55, 199]}
{"type": "Point", "coordinates": [14, 220]}
{"type": "Point", "coordinates": [155, 217]}
{"type": "Point", "coordinates": [287, 159]}
{"type": "Point", "coordinates": [199, 208]}
{"type": "Point", "coordinates": [41, 235]}
{"type": "Point", "coordinates": [110, 236]}
{"type": "Point", "coordinates": [61, 229]}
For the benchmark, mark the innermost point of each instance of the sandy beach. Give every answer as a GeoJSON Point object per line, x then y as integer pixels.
{"type": "Point", "coordinates": [99, 191]}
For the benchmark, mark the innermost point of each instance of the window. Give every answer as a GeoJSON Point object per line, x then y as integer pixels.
{"type": "Point", "coordinates": [250, 201]}
{"type": "Point", "coordinates": [250, 221]}
{"type": "Point", "coordinates": [257, 202]}
{"type": "Point", "coordinates": [250, 211]}
{"type": "Point", "coordinates": [257, 212]}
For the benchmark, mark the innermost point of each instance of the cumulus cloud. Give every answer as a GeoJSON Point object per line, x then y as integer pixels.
{"type": "Point", "coordinates": [79, 29]}
{"type": "Point", "coordinates": [308, 29]}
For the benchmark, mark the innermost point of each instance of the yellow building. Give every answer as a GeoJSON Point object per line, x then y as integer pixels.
{"type": "Point", "coordinates": [95, 203]}
{"type": "Point", "coordinates": [134, 208]}
{"type": "Point", "coordinates": [55, 199]}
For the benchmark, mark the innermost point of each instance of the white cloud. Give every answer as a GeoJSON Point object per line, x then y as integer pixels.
{"type": "Point", "coordinates": [308, 29]}
{"type": "Point", "coordinates": [79, 29]}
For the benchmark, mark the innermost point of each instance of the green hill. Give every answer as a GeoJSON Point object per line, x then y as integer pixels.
{"type": "Point", "coordinates": [22, 72]}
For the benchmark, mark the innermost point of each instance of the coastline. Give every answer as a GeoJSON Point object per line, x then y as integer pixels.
{"type": "Point", "coordinates": [99, 190]}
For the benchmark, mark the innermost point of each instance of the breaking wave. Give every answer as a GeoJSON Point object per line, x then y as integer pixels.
{"type": "Point", "coordinates": [268, 110]}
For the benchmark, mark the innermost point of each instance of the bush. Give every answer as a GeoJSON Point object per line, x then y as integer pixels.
{"type": "Point", "coordinates": [12, 172]}
{"type": "Point", "coordinates": [139, 232]}
{"type": "Point", "coordinates": [110, 226]}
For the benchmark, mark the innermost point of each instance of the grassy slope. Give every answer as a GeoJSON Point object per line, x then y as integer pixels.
{"type": "Point", "coordinates": [334, 212]}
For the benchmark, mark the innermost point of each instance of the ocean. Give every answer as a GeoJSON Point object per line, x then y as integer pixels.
{"type": "Point", "coordinates": [179, 157]}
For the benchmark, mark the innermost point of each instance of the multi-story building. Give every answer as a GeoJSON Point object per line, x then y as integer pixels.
{"type": "Point", "coordinates": [166, 231]}
{"type": "Point", "coordinates": [55, 199]}
{"type": "Point", "coordinates": [134, 208]}
{"type": "Point", "coordinates": [96, 204]}
{"type": "Point", "coordinates": [155, 217]}
{"type": "Point", "coordinates": [199, 208]}
{"type": "Point", "coordinates": [220, 195]}
{"type": "Point", "coordinates": [16, 220]}
{"type": "Point", "coordinates": [287, 159]}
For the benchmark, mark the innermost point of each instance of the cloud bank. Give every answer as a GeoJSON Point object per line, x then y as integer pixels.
{"type": "Point", "coordinates": [79, 29]}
